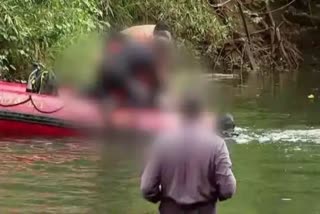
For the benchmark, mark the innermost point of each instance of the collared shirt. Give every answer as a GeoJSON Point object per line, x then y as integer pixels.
{"type": "Point", "coordinates": [189, 166]}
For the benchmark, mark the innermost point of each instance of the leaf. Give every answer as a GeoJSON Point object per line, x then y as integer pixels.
{"type": "Point", "coordinates": [12, 67]}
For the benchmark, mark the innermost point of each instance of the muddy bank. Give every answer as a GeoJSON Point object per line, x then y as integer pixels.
{"type": "Point", "coordinates": [275, 36]}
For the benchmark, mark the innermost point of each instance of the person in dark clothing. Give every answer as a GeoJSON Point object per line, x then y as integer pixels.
{"type": "Point", "coordinates": [129, 74]}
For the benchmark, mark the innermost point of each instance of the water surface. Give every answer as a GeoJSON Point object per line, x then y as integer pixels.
{"type": "Point", "coordinates": [276, 159]}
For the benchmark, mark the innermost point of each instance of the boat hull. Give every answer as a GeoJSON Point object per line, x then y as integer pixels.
{"type": "Point", "coordinates": [25, 114]}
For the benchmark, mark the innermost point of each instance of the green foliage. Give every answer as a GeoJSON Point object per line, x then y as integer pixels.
{"type": "Point", "coordinates": [77, 64]}
{"type": "Point", "coordinates": [37, 30]}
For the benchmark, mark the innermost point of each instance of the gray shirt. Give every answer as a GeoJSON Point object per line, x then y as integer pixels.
{"type": "Point", "coordinates": [190, 165]}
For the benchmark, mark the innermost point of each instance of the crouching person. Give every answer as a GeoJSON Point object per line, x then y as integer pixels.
{"type": "Point", "coordinates": [189, 169]}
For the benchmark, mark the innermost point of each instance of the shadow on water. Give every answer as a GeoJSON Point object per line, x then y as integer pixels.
{"type": "Point", "coordinates": [276, 158]}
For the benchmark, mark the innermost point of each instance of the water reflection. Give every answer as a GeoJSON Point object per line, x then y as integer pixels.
{"type": "Point", "coordinates": [46, 175]}
{"type": "Point", "coordinates": [274, 101]}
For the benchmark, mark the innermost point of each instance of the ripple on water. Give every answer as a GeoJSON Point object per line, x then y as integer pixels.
{"type": "Point", "coordinates": [274, 135]}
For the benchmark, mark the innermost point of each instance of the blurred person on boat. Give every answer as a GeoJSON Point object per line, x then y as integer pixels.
{"type": "Point", "coordinates": [136, 69]}
{"type": "Point", "coordinates": [189, 169]}
{"type": "Point", "coordinates": [159, 38]}
{"type": "Point", "coordinates": [133, 70]}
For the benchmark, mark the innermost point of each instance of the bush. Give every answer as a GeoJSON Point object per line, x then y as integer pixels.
{"type": "Point", "coordinates": [37, 30]}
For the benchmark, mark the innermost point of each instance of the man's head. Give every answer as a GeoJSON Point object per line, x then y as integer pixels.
{"type": "Point", "coordinates": [191, 106]}
{"type": "Point", "coordinates": [161, 30]}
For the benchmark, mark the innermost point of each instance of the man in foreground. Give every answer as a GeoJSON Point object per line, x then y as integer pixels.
{"type": "Point", "coordinates": [189, 169]}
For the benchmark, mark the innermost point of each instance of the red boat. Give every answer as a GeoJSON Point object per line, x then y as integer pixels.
{"type": "Point", "coordinates": [24, 114]}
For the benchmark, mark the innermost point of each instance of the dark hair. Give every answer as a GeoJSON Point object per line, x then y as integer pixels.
{"type": "Point", "coordinates": [161, 26]}
{"type": "Point", "coordinates": [191, 106]}
{"type": "Point", "coordinates": [161, 34]}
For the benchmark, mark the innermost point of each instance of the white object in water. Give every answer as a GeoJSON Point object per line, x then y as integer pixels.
{"type": "Point", "coordinates": [286, 199]}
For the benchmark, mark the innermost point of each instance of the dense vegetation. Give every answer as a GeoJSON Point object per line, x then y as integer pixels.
{"type": "Point", "coordinates": [38, 30]}
{"type": "Point", "coordinates": [228, 33]}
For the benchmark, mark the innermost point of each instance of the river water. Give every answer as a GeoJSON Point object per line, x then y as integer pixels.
{"type": "Point", "coordinates": [276, 158]}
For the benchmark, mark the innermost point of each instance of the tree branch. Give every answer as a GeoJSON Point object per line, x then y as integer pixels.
{"type": "Point", "coordinates": [280, 8]}
{"type": "Point", "coordinates": [244, 21]}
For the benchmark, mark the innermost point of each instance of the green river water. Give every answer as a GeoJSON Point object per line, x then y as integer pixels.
{"type": "Point", "coordinates": [276, 159]}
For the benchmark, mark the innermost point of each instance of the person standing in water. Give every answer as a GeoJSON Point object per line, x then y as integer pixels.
{"type": "Point", "coordinates": [189, 169]}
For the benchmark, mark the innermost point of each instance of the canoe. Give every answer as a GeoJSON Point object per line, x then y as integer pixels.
{"type": "Point", "coordinates": [24, 114]}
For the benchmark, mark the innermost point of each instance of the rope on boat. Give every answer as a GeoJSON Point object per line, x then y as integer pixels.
{"type": "Point", "coordinates": [16, 104]}
{"type": "Point", "coordinates": [33, 104]}
{"type": "Point", "coordinates": [42, 111]}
